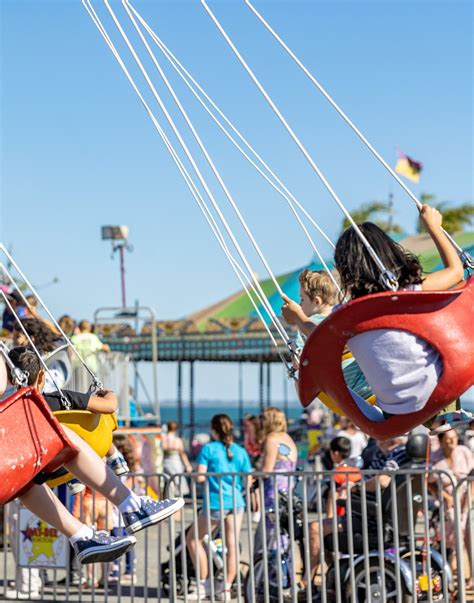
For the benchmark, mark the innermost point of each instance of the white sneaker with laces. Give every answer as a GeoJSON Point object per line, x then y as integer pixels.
{"type": "Point", "coordinates": [23, 595]}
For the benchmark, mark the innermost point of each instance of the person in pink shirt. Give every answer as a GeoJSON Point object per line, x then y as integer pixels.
{"type": "Point", "coordinates": [457, 460]}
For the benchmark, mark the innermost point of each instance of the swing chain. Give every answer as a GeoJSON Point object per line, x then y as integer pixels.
{"type": "Point", "coordinates": [19, 377]}
{"type": "Point", "coordinates": [389, 280]}
{"type": "Point", "coordinates": [96, 386]}
{"type": "Point", "coordinates": [64, 401]}
{"type": "Point", "coordinates": [467, 260]}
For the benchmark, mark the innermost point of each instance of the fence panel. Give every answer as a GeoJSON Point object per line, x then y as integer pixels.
{"type": "Point", "coordinates": [285, 537]}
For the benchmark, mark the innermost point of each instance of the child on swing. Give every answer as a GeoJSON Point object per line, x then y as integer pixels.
{"type": "Point", "coordinates": [102, 402]}
{"type": "Point", "coordinates": [401, 368]}
{"type": "Point", "coordinates": [318, 296]}
{"type": "Point", "coordinates": [138, 512]}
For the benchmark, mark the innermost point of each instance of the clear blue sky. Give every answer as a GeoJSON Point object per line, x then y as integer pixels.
{"type": "Point", "coordinates": [78, 151]}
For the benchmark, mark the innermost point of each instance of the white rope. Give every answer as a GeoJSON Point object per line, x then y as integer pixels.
{"type": "Point", "coordinates": [64, 400]}
{"type": "Point", "coordinates": [262, 298]}
{"type": "Point", "coordinates": [96, 382]}
{"type": "Point", "coordinates": [344, 116]}
{"type": "Point", "coordinates": [285, 193]}
{"type": "Point", "coordinates": [388, 279]}
{"type": "Point", "coordinates": [191, 127]}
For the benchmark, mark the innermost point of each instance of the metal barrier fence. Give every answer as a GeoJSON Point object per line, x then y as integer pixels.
{"type": "Point", "coordinates": [334, 537]}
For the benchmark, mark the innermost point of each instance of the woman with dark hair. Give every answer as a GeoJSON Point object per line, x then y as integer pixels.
{"type": "Point", "coordinates": [223, 501]}
{"type": "Point", "coordinates": [402, 369]}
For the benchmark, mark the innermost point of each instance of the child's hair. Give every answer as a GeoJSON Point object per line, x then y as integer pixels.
{"type": "Point", "coordinates": [85, 326]}
{"type": "Point", "coordinates": [172, 426]}
{"type": "Point", "coordinates": [124, 446]}
{"type": "Point", "coordinates": [342, 445]}
{"type": "Point", "coordinates": [224, 428]}
{"type": "Point", "coordinates": [27, 361]}
{"type": "Point", "coordinates": [317, 283]}
{"type": "Point", "coordinates": [42, 336]}
{"type": "Point", "coordinates": [273, 421]}
{"type": "Point", "coordinates": [67, 324]}
{"type": "Point", "coordinates": [358, 272]}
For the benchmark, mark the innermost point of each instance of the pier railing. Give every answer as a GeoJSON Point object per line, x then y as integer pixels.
{"type": "Point", "coordinates": [334, 537]}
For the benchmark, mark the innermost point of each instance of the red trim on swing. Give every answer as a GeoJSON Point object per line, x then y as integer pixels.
{"type": "Point", "coordinates": [31, 440]}
{"type": "Point", "coordinates": [442, 318]}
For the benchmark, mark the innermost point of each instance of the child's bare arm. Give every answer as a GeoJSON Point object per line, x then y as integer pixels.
{"type": "Point", "coordinates": [294, 315]}
{"type": "Point", "coordinates": [453, 272]}
{"type": "Point", "coordinates": [105, 403]}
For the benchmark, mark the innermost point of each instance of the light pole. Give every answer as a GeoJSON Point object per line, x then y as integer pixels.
{"type": "Point", "coordinates": [118, 235]}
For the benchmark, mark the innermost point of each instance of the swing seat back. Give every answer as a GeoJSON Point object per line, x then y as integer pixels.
{"type": "Point", "coordinates": [31, 440]}
{"type": "Point", "coordinates": [442, 318]}
{"type": "Point", "coordinates": [95, 429]}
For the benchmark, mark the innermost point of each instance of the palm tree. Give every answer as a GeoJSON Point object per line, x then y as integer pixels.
{"type": "Point", "coordinates": [455, 219]}
{"type": "Point", "coordinates": [371, 212]}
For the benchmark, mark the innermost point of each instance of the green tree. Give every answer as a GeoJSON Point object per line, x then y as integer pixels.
{"type": "Point", "coordinates": [455, 218]}
{"type": "Point", "coordinates": [374, 212]}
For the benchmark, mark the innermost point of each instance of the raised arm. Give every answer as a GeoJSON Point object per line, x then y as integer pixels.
{"type": "Point", "coordinates": [294, 315]}
{"type": "Point", "coordinates": [104, 403]}
{"type": "Point", "coordinates": [453, 272]}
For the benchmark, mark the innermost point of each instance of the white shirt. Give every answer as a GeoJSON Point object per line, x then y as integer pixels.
{"type": "Point", "coordinates": [358, 441]}
{"type": "Point", "coordinates": [401, 368]}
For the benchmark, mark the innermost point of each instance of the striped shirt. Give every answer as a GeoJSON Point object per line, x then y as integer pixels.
{"type": "Point", "coordinates": [398, 454]}
{"type": "Point", "coordinates": [353, 376]}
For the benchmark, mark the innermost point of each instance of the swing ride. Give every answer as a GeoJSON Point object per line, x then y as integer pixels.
{"type": "Point", "coordinates": [425, 314]}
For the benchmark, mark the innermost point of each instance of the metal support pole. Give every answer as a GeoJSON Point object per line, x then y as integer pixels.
{"type": "Point", "coordinates": [260, 384]}
{"type": "Point", "coordinates": [192, 420]}
{"type": "Point", "coordinates": [285, 392]}
{"type": "Point", "coordinates": [121, 249]}
{"type": "Point", "coordinates": [180, 397]}
{"type": "Point", "coordinates": [269, 384]}
{"type": "Point", "coordinates": [241, 398]}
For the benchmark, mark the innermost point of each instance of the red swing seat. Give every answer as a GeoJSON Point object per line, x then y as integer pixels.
{"type": "Point", "coordinates": [442, 318]}
{"type": "Point", "coordinates": [31, 440]}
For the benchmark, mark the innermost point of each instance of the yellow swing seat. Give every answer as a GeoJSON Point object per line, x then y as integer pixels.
{"type": "Point", "coordinates": [94, 428]}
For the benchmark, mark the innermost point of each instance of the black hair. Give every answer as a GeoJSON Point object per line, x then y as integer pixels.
{"type": "Point", "coordinates": [342, 445]}
{"type": "Point", "coordinates": [27, 361]}
{"type": "Point", "coordinates": [358, 272]}
{"type": "Point", "coordinates": [224, 428]}
{"type": "Point", "coordinates": [42, 336]}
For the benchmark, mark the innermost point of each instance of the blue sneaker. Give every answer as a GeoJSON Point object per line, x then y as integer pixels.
{"type": "Point", "coordinates": [118, 465]}
{"type": "Point", "coordinates": [102, 547]}
{"type": "Point", "coordinates": [151, 511]}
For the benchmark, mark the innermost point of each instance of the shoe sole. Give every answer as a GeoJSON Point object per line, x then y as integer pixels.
{"type": "Point", "coordinates": [106, 552]}
{"type": "Point", "coordinates": [155, 518]}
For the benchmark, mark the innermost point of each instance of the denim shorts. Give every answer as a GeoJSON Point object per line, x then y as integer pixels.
{"type": "Point", "coordinates": [218, 514]}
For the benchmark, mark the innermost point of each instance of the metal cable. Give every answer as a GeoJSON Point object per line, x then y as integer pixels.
{"type": "Point", "coordinates": [468, 261]}
{"type": "Point", "coordinates": [387, 278]}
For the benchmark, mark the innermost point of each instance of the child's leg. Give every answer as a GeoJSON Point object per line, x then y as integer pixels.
{"type": "Point", "coordinates": [137, 512]}
{"type": "Point", "coordinates": [90, 469]}
{"type": "Point", "coordinates": [42, 502]}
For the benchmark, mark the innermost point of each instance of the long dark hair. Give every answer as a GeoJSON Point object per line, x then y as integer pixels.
{"type": "Point", "coordinates": [359, 273]}
{"type": "Point", "coordinates": [224, 428]}
{"type": "Point", "coordinates": [43, 337]}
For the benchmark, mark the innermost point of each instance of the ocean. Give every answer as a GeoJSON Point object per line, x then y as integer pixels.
{"type": "Point", "coordinates": [204, 411]}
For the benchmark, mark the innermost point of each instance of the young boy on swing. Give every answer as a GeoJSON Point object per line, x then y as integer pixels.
{"type": "Point", "coordinates": [318, 296]}
{"type": "Point", "coordinates": [138, 512]}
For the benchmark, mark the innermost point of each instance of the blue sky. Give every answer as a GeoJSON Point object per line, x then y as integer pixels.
{"type": "Point", "coordinates": [78, 151]}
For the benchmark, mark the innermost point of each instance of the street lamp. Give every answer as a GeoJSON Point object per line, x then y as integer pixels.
{"type": "Point", "coordinates": [118, 235]}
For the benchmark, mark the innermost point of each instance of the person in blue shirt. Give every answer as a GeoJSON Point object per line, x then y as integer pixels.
{"type": "Point", "coordinates": [222, 501]}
